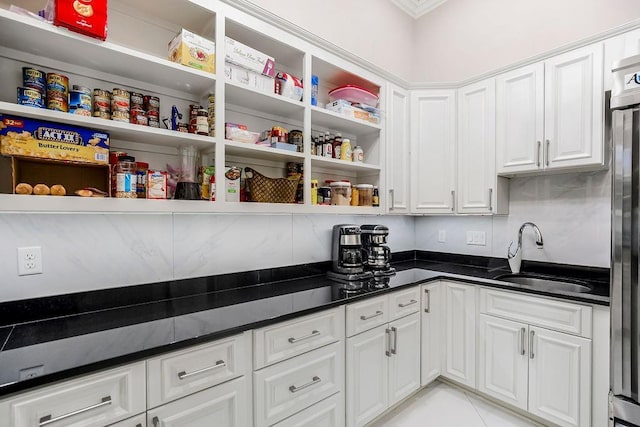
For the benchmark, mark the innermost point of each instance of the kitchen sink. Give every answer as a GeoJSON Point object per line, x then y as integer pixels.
{"type": "Point", "coordinates": [545, 283]}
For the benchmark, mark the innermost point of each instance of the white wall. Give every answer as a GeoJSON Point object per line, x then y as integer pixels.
{"type": "Point", "coordinates": [465, 38]}
{"type": "Point", "coordinates": [573, 212]}
{"type": "Point", "coordinates": [83, 252]}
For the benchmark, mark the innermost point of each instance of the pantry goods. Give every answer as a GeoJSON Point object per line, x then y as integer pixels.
{"type": "Point", "coordinates": [192, 50]}
{"type": "Point", "coordinates": [88, 17]}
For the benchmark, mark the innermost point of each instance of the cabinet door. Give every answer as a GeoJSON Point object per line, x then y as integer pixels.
{"type": "Point", "coordinates": [520, 119]}
{"type": "Point", "coordinates": [367, 375]}
{"type": "Point", "coordinates": [476, 147]}
{"type": "Point", "coordinates": [460, 333]}
{"type": "Point", "coordinates": [433, 150]}
{"type": "Point", "coordinates": [631, 44]}
{"type": "Point", "coordinates": [404, 363]}
{"type": "Point", "coordinates": [560, 377]}
{"type": "Point", "coordinates": [225, 405]}
{"type": "Point", "coordinates": [328, 413]}
{"type": "Point", "coordinates": [398, 150]}
{"type": "Point", "coordinates": [503, 360]}
{"type": "Point", "coordinates": [574, 108]}
{"type": "Point", "coordinates": [431, 331]}
{"type": "Point", "coordinates": [137, 421]}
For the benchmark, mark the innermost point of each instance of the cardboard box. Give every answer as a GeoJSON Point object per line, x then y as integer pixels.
{"type": "Point", "coordinates": [237, 74]}
{"type": "Point", "coordinates": [249, 58]}
{"type": "Point", "coordinates": [88, 17]}
{"type": "Point", "coordinates": [36, 138]}
{"type": "Point", "coordinates": [194, 51]}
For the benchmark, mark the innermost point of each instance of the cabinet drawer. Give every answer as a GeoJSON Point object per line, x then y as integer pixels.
{"type": "Point", "coordinates": [95, 400]}
{"type": "Point", "coordinates": [559, 315]}
{"type": "Point", "coordinates": [328, 413]}
{"type": "Point", "coordinates": [282, 341]}
{"type": "Point", "coordinates": [137, 421]}
{"type": "Point", "coordinates": [403, 303]}
{"type": "Point", "coordinates": [367, 314]}
{"type": "Point", "coordinates": [287, 387]}
{"type": "Point", "coordinates": [180, 373]}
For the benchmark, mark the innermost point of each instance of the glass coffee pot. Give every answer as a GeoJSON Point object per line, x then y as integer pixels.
{"type": "Point", "coordinates": [187, 187]}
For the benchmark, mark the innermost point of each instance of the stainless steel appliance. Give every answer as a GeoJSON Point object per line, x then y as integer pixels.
{"type": "Point", "coordinates": [624, 408]}
{"type": "Point", "coordinates": [377, 253]}
{"type": "Point", "coordinates": [347, 258]}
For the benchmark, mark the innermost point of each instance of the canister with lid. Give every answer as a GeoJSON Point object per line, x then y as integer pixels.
{"type": "Point", "coordinates": [340, 193]}
{"type": "Point", "coordinates": [365, 194]}
{"type": "Point", "coordinates": [126, 179]}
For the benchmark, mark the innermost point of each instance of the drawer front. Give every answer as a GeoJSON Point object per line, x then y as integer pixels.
{"type": "Point", "coordinates": [180, 373]}
{"type": "Point", "coordinates": [367, 314]}
{"type": "Point", "coordinates": [328, 413]}
{"type": "Point", "coordinates": [225, 405]}
{"type": "Point", "coordinates": [285, 388]}
{"type": "Point", "coordinates": [403, 303]}
{"type": "Point", "coordinates": [288, 339]}
{"type": "Point", "coordinates": [558, 315]}
{"type": "Point", "coordinates": [137, 421]}
{"type": "Point", "coordinates": [95, 400]}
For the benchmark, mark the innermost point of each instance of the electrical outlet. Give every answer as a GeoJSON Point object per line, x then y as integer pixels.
{"type": "Point", "coordinates": [34, 371]}
{"type": "Point", "coordinates": [29, 261]}
{"type": "Point", "coordinates": [478, 238]}
{"type": "Point", "coordinates": [442, 236]}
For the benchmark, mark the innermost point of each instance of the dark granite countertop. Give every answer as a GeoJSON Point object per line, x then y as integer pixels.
{"type": "Point", "coordinates": [49, 339]}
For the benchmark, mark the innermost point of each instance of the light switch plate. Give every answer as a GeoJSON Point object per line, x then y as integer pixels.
{"type": "Point", "coordinates": [442, 236]}
{"type": "Point", "coordinates": [477, 238]}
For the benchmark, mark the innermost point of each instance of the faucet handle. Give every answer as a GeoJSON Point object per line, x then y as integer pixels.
{"type": "Point", "coordinates": [511, 254]}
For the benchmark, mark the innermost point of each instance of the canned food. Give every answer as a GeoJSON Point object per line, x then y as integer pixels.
{"type": "Point", "coordinates": [103, 93]}
{"type": "Point", "coordinates": [138, 116]}
{"type": "Point", "coordinates": [34, 79]}
{"type": "Point", "coordinates": [57, 83]}
{"type": "Point", "coordinates": [31, 97]}
{"type": "Point", "coordinates": [57, 105]}
{"type": "Point", "coordinates": [102, 114]}
{"type": "Point", "coordinates": [80, 112]}
{"type": "Point", "coordinates": [183, 127]}
{"type": "Point", "coordinates": [151, 102]}
{"type": "Point", "coordinates": [121, 92]}
{"type": "Point", "coordinates": [101, 103]}
{"type": "Point", "coordinates": [137, 100]}
{"type": "Point", "coordinates": [120, 100]}
{"type": "Point", "coordinates": [153, 114]}
{"type": "Point", "coordinates": [82, 89]}
{"type": "Point", "coordinates": [80, 100]}
{"type": "Point", "coordinates": [120, 116]}
{"type": "Point", "coordinates": [153, 122]}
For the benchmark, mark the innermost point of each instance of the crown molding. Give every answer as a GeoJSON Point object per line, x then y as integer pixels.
{"type": "Point", "coordinates": [417, 8]}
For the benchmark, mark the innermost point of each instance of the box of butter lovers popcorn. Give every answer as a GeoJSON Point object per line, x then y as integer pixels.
{"type": "Point", "coordinates": [26, 137]}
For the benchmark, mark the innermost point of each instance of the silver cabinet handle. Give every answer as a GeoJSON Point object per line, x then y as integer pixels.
{"type": "Point", "coordinates": [387, 332]}
{"type": "Point", "coordinates": [453, 200]}
{"type": "Point", "coordinates": [46, 420]}
{"type": "Point", "coordinates": [428, 309]}
{"type": "Point", "coordinates": [315, 380]}
{"type": "Point", "coordinates": [393, 199]}
{"type": "Point", "coordinates": [548, 153]}
{"type": "Point", "coordinates": [531, 335]}
{"type": "Point", "coordinates": [155, 421]}
{"type": "Point", "coordinates": [377, 313]}
{"type": "Point", "coordinates": [407, 304]}
{"type": "Point", "coordinates": [219, 364]}
{"type": "Point", "coordinates": [306, 337]}
{"type": "Point", "coordinates": [538, 156]}
{"type": "Point", "coordinates": [523, 332]}
{"type": "Point", "coordinates": [491, 199]}
{"type": "Point", "coordinates": [395, 340]}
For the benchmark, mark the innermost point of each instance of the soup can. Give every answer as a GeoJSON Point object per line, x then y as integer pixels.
{"type": "Point", "coordinates": [57, 83]}
{"type": "Point", "coordinates": [82, 89]}
{"type": "Point", "coordinates": [137, 100]}
{"type": "Point", "coordinates": [80, 112]}
{"type": "Point", "coordinates": [120, 115]}
{"type": "Point", "coordinates": [102, 114]}
{"type": "Point", "coordinates": [120, 101]}
{"type": "Point", "coordinates": [80, 100]}
{"type": "Point", "coordinates": [151, 103]}
{"type": "Point", "coordinates": [153, 122]}
{"type": "Point", "coordinates": [58, 104]}
{"type": "Point", "coordinates": [30, 97]}
{"type": "Point", "coordinates": [34, 79]}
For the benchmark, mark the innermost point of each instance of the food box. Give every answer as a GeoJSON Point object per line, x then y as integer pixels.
{"type": "Point", "coordinates": [249, 58]}
{"type": "Point", "coordinates": [343, 107]}
{"type": "Point", "coordinates": [192, 50]}
{"type": "Point", "coordinates": [284, 146]}
{"type": "Point", "coordinates": [289, 86]}
{"type": "Point", "coordinates": [156, 184]}
{"type": "Point", "coordinates": [36, 138]}
{"type": "Point", "coordinates": [232, 183]}
{"type": "Point", "coordinates": [88, 17]}
{"type": "Point", "coordinates": [237, 74]}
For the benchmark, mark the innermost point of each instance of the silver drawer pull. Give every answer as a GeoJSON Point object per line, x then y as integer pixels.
{"type": "Point", "coordinates": [314, 380]}
{"type": "Point", "coordinates": [306, 337]}
{"type": "Point", "coordinates": [407, 304]}
{"type": "Point", "coordinates": [219, 364]}
{"type": "Point", "coordinates": [378, 313]}
{"type": "Point", "coordinates": [531, 338]}
{"type": "Point", "coordinates": [428, 309]}
{"type": "Point", "coordinates": [46, 420]}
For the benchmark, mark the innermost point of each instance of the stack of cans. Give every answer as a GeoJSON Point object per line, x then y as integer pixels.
{"type": "Point", "coordinates": [102, 104]}
{"type": "Point", "coordinates": [57, 92]}
{"type": "Point", "coordinates": [152, 108]}
{"type": "Point", "coordinates": [138, 113]}
{"type": "Point", "coordinates": [80, 101]}
{"type": "Point", "coordinates": [120, 105]}
{"type": "Point", "coordinates": [212, 114]}
{"type": "Point", "coordinates": [33, 90]}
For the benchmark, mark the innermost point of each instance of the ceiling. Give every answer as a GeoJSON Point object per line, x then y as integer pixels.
{"type": "Point", "coordinates": [417, 8]}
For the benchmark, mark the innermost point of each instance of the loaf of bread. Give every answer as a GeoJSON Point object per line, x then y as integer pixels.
{"type": "Point", "coordinates": [58, 190]}
{"type": "Point", "coordinates": [24, 188]}
{"type": "Point", "coordinates": [84, 193]}
{"type": "Point", "coordinates": [41, 190]}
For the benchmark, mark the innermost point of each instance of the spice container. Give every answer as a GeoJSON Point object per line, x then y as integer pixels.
{"type": "Point", "coordinates": [314, 191]}
{"type": "Point", "coordinates": [126, 179]}
{"type": "Point", "coordinates": [324, 195]}
{"type": "Point", "coordinates": [340, 193]}
{"type": "Point", "coordinates": [365, 194]}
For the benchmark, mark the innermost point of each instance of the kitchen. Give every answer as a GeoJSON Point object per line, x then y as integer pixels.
{"type": "Point", "coordinates": [93, 249]}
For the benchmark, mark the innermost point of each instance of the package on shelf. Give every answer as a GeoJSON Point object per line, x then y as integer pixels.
{"type": "Point", "coordinates": [239, 133]}
{"type": "Point", "coordinates": [345, 108]}
{"type": "Point", "coordinates": [26, 137]}
{"type": "Point", "coordinates": [289, 86]}
{"type": "Point", "coordinates": [192, 50]}
{"type": "Point", "coordinates": [88, 17]}
{"type": "Point", "coordinates": [237, 74]}
{"type": "Point", "coordinates": [232, 183]}
{"type": "Point", "coordinates": [156, 185]}
{"type": "Point", "coordinates": [284, 146]}
{"type": "Point", "coordinates": [249, 58]}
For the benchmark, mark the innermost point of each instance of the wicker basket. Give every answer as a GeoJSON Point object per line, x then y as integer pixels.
{"type": "Point", "coordinates": [271, 190]}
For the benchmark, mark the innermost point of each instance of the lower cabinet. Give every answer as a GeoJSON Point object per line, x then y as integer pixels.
{"type": "Point", "coordinates": [432, 317]}
{"type": "Point", "coordinates": [137, 421]}
{"type": "Point", "coordinates": [327, 413]}
{"type": "Point", "coordinates": [383, 367]}
{"type": "Point", "coordinates": [459, 333]}
{"type": "Point", "coordinates": [225, 405]}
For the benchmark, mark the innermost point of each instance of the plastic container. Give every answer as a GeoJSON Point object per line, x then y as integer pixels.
{"type": "Point", "coordinates": [354, 94]}
{"type": "Point", "coordinates": [126, 179]}
{"type": "Point", "coordinates": [357, 154]}
{"type": "Point", "coordinates": [345, 152]}
{"type": "Point", "coordinates": [340, 193]}
{"type": "Point", "coordinates": [365, 194]}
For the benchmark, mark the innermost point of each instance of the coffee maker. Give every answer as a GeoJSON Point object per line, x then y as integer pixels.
{"type": "Point", "coordinates": [377, 255]}
{"type": "Point", "coordinates": [347, 257]}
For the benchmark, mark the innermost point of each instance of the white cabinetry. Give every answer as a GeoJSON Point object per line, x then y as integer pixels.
{"type": "Point", "coordinates": [398, 150]}
{"type": "Point", "coordinates": [137, 421]}
{"type": "Point", "coordinates": [460, 333]}
{"type": "Point", "coordinates": [433, 151]}
{"type": "Point", "coordinates": [538, 369]}
{"type": "Point", "coordinates": [432, 314]}
{"type": "Point", "coordinates": [550, 114]}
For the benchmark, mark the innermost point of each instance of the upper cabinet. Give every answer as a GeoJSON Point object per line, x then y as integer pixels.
{"type": "Point", "coordinates": [398, 150]}
{"type": "Point", "coordinates": [550, 114]}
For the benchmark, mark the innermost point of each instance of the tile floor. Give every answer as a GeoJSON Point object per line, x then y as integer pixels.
{"type": "Point", "coordinates": [441, 405]}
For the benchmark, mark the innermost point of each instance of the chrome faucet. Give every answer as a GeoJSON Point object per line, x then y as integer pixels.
{"type": "Point", "coordinates": [515, 258]}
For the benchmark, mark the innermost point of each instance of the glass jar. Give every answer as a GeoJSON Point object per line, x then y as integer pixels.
{"type": "Point", "coordinates": [126, 179]}
{"type": "Point", "coordinates": [365, 194]}
{"type": "Point", "coordinates": [354, 196]}
{"type": "Point", "coordinates": [340, 193]}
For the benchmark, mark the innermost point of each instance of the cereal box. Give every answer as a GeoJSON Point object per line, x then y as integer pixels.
{"type": "Point", "coordinates": [193, 50]}
{"type": "Point", "coordinates": [36, 138]}
{"type": "Point", "coordinates": [88, 17]}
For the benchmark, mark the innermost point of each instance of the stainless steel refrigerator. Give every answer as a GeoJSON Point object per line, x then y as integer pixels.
{"type": "Point", "coordinates": [624, 402]}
